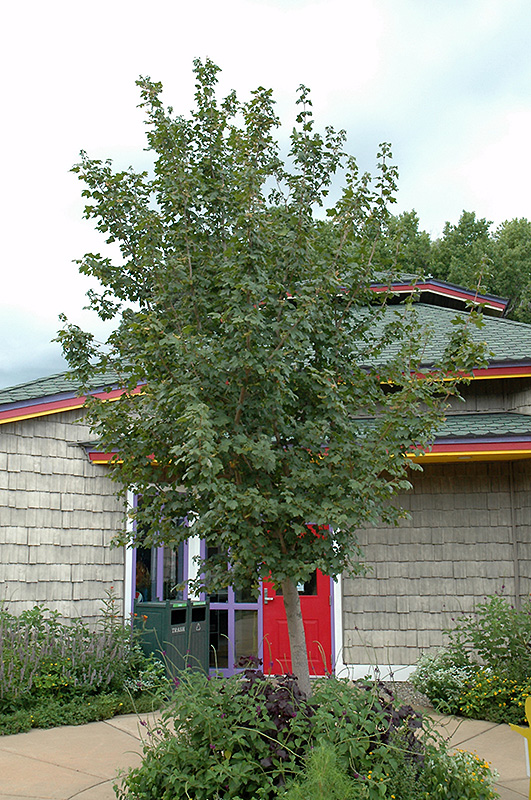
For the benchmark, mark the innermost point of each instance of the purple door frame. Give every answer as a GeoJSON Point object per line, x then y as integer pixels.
{"type": "Point", "coordinates": [231, 606]}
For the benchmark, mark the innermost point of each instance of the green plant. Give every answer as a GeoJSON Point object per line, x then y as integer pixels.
{"type": "Point", "coordinates": [485, 669]}
{"type": "Point", "coordinates": [497, 635]}
{"type": "Point", "coordinates": [252, 738]}
{"type": "Point", "coordinates": [57, 673]}
{"type": "Point", "coordinates": [455, 776]}
{"type": "Point", "coordinates": [495, 697]}
{"type": "Point", "coordinates": [49, 712]}
{"type": "Point", "coordinates": [323, 777]}
{"type": "Point", "coordinates": [146, 674]}
{"type": "Point", "coordinates": [444, 677]}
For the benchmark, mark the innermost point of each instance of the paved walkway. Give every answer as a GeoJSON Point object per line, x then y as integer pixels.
{"type": "Point", "coordinates": [502, 747]}
{"type": "Point", "coordinates": [82, 762]}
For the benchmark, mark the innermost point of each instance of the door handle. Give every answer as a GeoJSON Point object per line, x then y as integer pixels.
{"type": "Point", "coordinates": [267, 598]}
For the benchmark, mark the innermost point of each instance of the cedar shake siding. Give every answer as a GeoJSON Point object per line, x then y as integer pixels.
{"type": "Point", "coordinates": [469, 535]}
{"type": "Point", "coordinates": [500, 395]}
{"type": "Point", "coordinates": [58, 513]}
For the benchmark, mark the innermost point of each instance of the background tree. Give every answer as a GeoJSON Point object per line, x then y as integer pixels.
{"type": "Point", "coordinates": [276, 389]}
{"type": "Point", "coordinates": [403, 248]}
{"type": "Point", "coordinates": [511, 275]}
{"type": "Point", "coordinates": [464, 253]}
{"type": "Point", "coordinates": [470, 254]}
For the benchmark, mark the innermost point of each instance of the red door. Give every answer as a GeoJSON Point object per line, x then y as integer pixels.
{"type": "Point", "coordinates": [317, 615]}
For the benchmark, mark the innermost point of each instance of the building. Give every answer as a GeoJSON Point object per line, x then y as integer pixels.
{"type": "Point", "coordinates": [468, 535]}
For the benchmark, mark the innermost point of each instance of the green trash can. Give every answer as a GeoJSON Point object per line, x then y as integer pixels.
{"type": "Point", "coordinates": [195, 645]}
{"type": "Point", "coordinates": [177, 632]}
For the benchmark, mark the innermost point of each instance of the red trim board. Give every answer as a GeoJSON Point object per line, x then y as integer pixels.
{"type": "Point", "coordinates": [445, 291]}
{"type": "Point", "coordinates": [57, 406]}
{"type": "Point", "coordinates": [440, 451]}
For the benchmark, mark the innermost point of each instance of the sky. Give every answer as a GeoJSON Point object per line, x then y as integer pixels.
{"type": "Point", "coordinates": [446, 82]}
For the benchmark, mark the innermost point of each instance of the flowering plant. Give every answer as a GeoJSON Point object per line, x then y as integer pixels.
{"type": "Point", "coordinates": [485, 670]}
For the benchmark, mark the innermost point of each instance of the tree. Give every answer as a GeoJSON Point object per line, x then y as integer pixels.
{"type": "Point", "coordinates": [511, 276]}
{"type": "Point", "coordinates": [469, 255]}
{"type": "Point", "coordinates": [277, 392]}
{"type": "Point", "coordinates": [403, 247]}
{"type": "Point", "coordinates": [464, 253]}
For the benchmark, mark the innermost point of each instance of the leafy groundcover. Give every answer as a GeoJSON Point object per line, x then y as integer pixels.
{"type": "Point", "coordinates": [66, 673]}
{"type": "Point", "coordinates": [255, 738]}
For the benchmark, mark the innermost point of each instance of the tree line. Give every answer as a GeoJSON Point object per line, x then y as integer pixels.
{"type": "Point", "coordinates": [471, 253]}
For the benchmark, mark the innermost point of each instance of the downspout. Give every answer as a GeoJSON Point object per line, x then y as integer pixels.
{"type": "Point", "coordinates": [514, 536]}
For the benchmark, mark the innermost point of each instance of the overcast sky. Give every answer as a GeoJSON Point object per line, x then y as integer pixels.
{"type": "Point", "coordinates": [447, 82]}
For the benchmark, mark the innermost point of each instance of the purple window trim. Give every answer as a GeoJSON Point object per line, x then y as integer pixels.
{"type": "Point", "coordinates": [332, 629]}
{"type": "Point", "coordinates": [185, 566]}
{"type": "Point", "coordinates": [159, 575]}
{"type": "Point", "coordinates": [133, 565]}
{"type": "Point", "coordinates": [159, 566]}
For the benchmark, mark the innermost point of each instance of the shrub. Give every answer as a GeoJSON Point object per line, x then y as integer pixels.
{"type": "Point", "coordinates": [444, 677]}
{"type": "Point", "coordinates": [254, 738]}
{"type": "Point", "coordinates": [53, 673]}
{"type": "Point", "coordinates": [497, 636]}
{"type": "Point", "coordinates": [454, 776]}
{"type": "Point", "coordinates": [495, 697]}
{"type": "Point", "coordinates": [485, 670]}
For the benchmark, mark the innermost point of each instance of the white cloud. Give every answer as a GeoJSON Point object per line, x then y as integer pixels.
{"type": "Point", "coordinates": [498, 174]}
{"type": "Point", "coordinates": [446, 81]}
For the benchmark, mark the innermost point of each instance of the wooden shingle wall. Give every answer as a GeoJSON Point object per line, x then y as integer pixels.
{"type": "Point", "coordinates": [521, 398]}
{"type": "Point", "coordinates": [512, 394]}
{"type": "Point", "coordinates": [469, 533]}
{"type": "Point", "coordinates": [58, 514]}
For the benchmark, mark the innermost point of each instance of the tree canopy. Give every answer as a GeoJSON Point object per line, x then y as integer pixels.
{"type": "Point", "coordinates": [267, 389]}
{"type": "Point", "coordinates": [469, 253]}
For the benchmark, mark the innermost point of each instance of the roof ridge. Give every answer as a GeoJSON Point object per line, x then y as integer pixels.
{"type": "Point", "coordinates": [485, 413]}
{"type": "Point", "coordinates": [22, 385]}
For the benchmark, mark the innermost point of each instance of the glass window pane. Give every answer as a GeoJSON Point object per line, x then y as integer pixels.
{"type": "Point", "coordinates": [245, 595]}
{"type": "Point", "coordinates": [219, 638]}
{"type": "Point", "coordinates": [172, 573]}
{"type": "Point", "coordinates": [146, 581]}
{"type": "Point", "coordinates": [246, 633]}
{"type": "Point", "coordinates": [310, 587]}
{"type": "Point", "coordinates": [223, 595]}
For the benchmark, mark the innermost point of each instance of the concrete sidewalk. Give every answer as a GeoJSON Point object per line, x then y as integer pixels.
{"type": "Point", "coordinates": [72, 761]}
{"type": "Point", "coordinates": [502, 747]}
{"type": "Point", "coordinates": [82, 762]}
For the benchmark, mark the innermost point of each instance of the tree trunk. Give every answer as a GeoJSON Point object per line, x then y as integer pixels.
{"type": "Point", "coordinates": [297, 636]}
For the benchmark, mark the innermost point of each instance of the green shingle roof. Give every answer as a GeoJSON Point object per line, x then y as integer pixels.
{"type": "Point", "coordinates": [509, 341]}
{"type": "Point", "coordinates": [487, 425]}
{"type": "Point", "coordinates": [51, 385]}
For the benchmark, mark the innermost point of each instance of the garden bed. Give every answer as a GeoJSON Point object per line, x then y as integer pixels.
{"type": "Point", "coordinates": [253, 738]}
{"type": "Point", "coordinates": [64, 673]}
